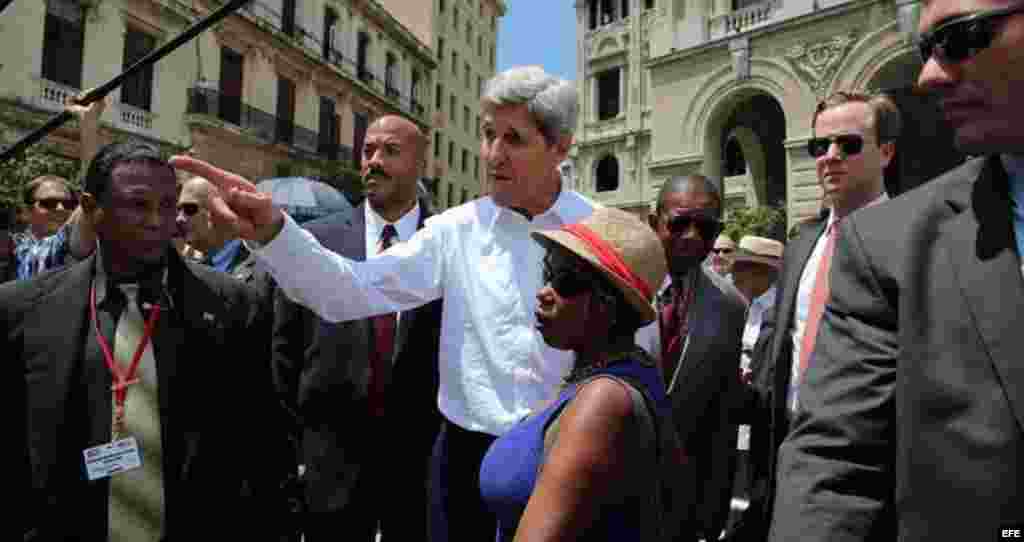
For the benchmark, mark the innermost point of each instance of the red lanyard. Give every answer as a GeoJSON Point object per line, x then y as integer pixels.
{"type": "Point", "coordinates": [122, 379]}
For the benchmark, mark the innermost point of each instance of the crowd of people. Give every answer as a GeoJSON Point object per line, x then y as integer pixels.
{"type": "Point", "coordinates": [187, 362]}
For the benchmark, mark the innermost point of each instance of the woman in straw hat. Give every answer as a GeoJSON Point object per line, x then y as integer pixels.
{"type": "Point", "coordinates": [568, 471]}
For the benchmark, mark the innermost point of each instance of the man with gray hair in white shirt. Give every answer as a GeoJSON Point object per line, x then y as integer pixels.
{"type": "Point", "coordinates": [494, 365]}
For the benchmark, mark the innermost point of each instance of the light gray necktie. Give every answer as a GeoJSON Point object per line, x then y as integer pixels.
{"type": "Point", "coordinates": [137, 496]}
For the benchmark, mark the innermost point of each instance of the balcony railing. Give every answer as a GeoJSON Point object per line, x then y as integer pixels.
{"type": "Point", "coordinates": [369, 74]}
{"type": "Point", "coordinates": [134, 119]}
{"type": "Point", "coordinates": [741, 20]}
{"type": "Point", "coordinates": [261, 124]}
{"type": "Point", "coordinates": [52, 96]}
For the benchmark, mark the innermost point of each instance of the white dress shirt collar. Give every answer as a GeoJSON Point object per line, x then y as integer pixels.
{"type": "Point", "coordinates": [569, 207]}
{"type": "Point", "coordinates": [832, 218]}
{"type": "Point", "coordinates": [406, 225]}
{"type": "Point", "coordinates": [100, 282]}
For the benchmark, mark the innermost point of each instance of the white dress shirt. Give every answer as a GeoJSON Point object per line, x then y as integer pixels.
{"type": "Point", "coordinates": [494, 364]}
{"type": "Point", "coordinates": [405, 228]}
{"type": "Point", "coordinates": [803, 304]}
{"type": "Point", "coordinates": [755, 316]}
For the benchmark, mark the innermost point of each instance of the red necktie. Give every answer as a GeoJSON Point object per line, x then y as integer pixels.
{"type": "Point", "coordinates": [384, 339]}
{"type": "Point", "coordinates": [819, 296]}
{"type": "Point", "coordinates": [674, 326]}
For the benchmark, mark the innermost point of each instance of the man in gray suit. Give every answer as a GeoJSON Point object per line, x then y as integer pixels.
{"type": "Point", "coordinates": [698, 339]}
{"type": "Point", "coordinates": [912, 418]}
{"type": "Point", "coordinates": [852, 144]}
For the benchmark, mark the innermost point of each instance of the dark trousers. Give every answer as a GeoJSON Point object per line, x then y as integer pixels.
{"type": "Point", "coordinates": [389, 495]}
{"type": "Point", "coordinates": [457, 513]}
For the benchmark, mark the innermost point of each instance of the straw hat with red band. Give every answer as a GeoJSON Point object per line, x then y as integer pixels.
{"type": "Point", "coordinates": [623, 248]}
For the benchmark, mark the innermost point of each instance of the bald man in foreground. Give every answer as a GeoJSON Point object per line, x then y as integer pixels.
{"type": "Point", "coordinates": [366, 471]}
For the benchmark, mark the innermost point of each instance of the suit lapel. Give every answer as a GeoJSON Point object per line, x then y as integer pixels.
{"type": "Point", "coordinates": [354, 244]}
{"type": "Point", "coordinates": [981, 248]}
{"type": "Point", "coordinates": [798, 252]}
{"type": "Point", "coordinates": [701, 321]}
{"type": "Point", "coordinates": [171, 351]}
{"type": "Point", "coordinates": [50, 363]}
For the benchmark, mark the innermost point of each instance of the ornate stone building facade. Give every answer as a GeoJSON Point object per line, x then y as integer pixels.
{"type": "Point", "coordinates": [279, 82]}
{"type": "Point", "coordinates": [464, 36]}
{"type": "Point", "coordinates": [728, 88]}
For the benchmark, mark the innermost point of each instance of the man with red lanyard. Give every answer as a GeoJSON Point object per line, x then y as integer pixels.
{"type": "Point", "coordinates": [150, 413]}
{"type": "Point", "coordinates": [698, 338]}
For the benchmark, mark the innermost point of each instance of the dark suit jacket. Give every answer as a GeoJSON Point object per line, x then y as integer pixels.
{"type": "Point", "coordinates": [216, 405]}
{"type": "Point", "coordinates": [770, 369]}
{"type": "Point", "coordinates": [913, 421]}
{"type": "Point", "coordinates": [702, 395]}
{"type": "Point", "coordinates": [322, 371]}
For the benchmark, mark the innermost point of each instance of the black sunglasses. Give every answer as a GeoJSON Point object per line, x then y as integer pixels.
{"type": "Point", "coordinates": [50, 204]}
{"type": "Point", "coordinates": [849, 144]}
{"type": "Point", "coordinates": [567, 281]}
{"type": "Point", "coordinates": [188, 208]}
{"type": "Point", "coordinates": [963, 37]}
{"type": "Point", "coordinates": [707, 226]}
{"type": "Point", "coordinates": [722, 250]}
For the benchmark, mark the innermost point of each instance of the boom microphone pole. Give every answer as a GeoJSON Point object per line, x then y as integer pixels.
{"type": "Point", "coordinates": [104, 89]}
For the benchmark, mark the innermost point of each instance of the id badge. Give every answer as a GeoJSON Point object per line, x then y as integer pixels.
{"type": "Point", "coordinates": [109, 459]}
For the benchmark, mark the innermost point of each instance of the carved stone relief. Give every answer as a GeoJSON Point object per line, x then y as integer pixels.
{"type": "Point", "coordinates": [816, 63]}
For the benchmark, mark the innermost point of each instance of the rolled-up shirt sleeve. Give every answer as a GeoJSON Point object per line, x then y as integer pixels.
{"type": "Point", "coordinates": [339, 289]}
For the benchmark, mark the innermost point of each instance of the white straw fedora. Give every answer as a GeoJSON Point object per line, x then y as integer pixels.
{"type": "Point", "coordinates": [760, 250]}
{"type": "Point", "coordinates": [620, 246]}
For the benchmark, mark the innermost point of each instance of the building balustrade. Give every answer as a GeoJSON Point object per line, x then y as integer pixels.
{"type": "Point", "coordinates": [742, 20]}
{"type": "Point", "coordinates": [134, 119]}
{"type": "Point", "coordinates": [262, 125]}
{"type": "Point", "coordinates": [52, 96]}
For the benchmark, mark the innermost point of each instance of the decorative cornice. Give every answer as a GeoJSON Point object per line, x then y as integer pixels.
{"type": "Point", "coordinates": [817, 63]}
{"type": "Point", "coordinates": [675, 161]}
{"type": "Point", "coordinates": [798, 21]}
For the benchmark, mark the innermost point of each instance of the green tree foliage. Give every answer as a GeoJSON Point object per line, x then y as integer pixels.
{"type": "Point", "coordinates": [762, 220]}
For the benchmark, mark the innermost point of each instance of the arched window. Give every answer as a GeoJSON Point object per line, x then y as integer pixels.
{"type": "Point", "coordinates": [607, 174]}
{"type": "Point", "coordinates": [735, 164]}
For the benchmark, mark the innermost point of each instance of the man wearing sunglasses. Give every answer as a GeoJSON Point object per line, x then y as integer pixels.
{"type": "Point", "coordinates": [697, 338]}
{"type": "Point", "coordinates": [221, 250]}
{"type": "Point", "coordinates": [722, 255]}
{"type": "Point", "coordinates": [912, 420]}
{"type": "Point", "coordinates": [852, 142]}
{"type": "Point", "coordinates": [56, 234]}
